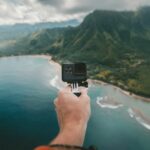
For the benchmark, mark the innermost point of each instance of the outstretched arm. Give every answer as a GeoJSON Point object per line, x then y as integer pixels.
{"type": "Point", "coordinates": [73, 114]}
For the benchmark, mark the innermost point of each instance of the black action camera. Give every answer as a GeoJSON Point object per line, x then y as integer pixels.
{"type": "Point", "coordinates": [74, 72]}
{"type": "Point", "coordinates": [76, 75]}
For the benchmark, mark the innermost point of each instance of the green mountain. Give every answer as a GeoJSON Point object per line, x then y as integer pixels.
{"type": "Point", "coordinates": [18, 30]}
{"type": "Point", "coordinates": [114, 44]}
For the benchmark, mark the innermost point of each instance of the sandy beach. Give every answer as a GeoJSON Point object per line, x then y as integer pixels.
{"type": "Point", "coordinates": [145, 99]}
{"type": "Point", "coordinates": [91, 81]}
{"type": "Point", "coordinates": [58, 67]}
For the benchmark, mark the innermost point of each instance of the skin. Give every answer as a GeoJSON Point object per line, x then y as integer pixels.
{"type": "Point", "coordinates": [73, 114]}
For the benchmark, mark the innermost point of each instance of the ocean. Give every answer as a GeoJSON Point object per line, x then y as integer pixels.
{"type": "Point", "coordinates": [28, 86]}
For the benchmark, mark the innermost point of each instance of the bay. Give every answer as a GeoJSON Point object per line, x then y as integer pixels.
{"type": "Point", "coordinates": [28, 86]}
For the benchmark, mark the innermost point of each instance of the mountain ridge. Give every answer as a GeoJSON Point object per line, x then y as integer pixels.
{"type": "Point", "coordinates": [114, 44]}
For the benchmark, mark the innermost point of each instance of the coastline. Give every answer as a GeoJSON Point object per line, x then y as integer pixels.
{"type": "Point", "coordinates": [58, 67]}
{"type": "Point", "coordinates": [145, 99]}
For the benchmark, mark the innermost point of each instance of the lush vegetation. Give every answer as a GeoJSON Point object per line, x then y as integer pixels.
{"type": "Point", "coordinates": [114, 44]}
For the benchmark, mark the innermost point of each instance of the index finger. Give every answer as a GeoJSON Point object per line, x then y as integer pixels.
{"type": "Point", "coordinates": [67, 89]}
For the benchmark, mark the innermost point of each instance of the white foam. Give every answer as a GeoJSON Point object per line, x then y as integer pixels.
{"type": "Point", "coordinates": [55, 82]}
{"type": "Point", "coordinates": [139, 118]}
{"type": "Point", "coordinates": [100, 101]}
{"type": "Point", "coordinates": [142, 122]}
{"type": "Point", "coordinates": [131, 113]}
{"type": "Point", "coordinates": [100, 98]}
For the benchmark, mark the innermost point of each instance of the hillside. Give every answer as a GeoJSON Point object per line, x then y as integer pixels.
{"type": "Point", "coordinates": [11, 35]}
{"type": "Point", "coordinates": [114, 44]}
{"type": "Point", "coordinates": [11, 32]}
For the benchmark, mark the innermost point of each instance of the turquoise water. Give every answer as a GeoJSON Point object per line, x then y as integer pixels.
{"type": "Point", "coordinates": [28, 119]}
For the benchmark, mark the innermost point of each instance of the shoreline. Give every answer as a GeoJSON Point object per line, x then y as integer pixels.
{"type": "Point", "coordinates": [38, 56]}
{"type": "Point", "coordinates": [58, 67]}
{"type": "Point", "coordinates": [145, 99]}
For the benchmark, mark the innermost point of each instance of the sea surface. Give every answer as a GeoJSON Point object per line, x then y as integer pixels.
{"type": "Point", "coordinates": [28, 86]}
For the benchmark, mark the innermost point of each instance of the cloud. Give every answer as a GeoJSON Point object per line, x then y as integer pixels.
{"type": "Point", "coordinates": [77, 6]}
{"type": "Point", "coordinates": [55, 3]}
{"type": "Point", "coordinates": [32, 11]}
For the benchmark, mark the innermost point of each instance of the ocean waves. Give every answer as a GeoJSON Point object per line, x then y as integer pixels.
{"type": "Point", "coordinates": [140, 117]}
{"type": "Point", "coordinates": [107, 102]}
{"type": "Point", "coordinates": [110, 103]}
{"type": "Point", "coordinates": [135, 113]}
{"type": "Point", "coordinates": [57, 83]}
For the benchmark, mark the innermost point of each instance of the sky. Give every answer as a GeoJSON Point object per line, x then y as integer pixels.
{"type": "Point", "coordinates": [34, 11]}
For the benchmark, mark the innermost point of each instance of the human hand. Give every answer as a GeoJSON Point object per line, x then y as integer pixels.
{"type": "Point", "coordinates": [73, 113]}
{"type": "Point", "coordinates": [72, 110]}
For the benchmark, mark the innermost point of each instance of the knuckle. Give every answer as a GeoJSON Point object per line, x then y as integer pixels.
{"type": "Point", "coordinates": [60, 93]}
{"type": "Point", "coordinates": [56, 101]}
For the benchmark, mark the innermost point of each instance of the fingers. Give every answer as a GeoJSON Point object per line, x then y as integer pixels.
{"type": "Point", "coordinates": [66, 94]}
{"type": "Point", "coordinates": [67, 89]}
{"type": "Point", "coordinates": [84, 94]}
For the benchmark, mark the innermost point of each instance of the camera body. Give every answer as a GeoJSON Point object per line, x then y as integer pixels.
{"type": "Point", "coordinates": [74, 73]}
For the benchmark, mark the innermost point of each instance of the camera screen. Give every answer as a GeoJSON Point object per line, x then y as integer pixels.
{"type": "Point", "coordinates": [74, 72]}
{"type": "Point", "coordinates": [80, 68]}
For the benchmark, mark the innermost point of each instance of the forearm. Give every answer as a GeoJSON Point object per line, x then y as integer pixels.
{"type": "Point", "coordinates": [71, 135]}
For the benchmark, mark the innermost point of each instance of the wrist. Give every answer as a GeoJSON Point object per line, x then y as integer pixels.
{"type": "Point", "coordinates": [71, 134]}
{"type": "Point", "coordinates": [74, 124]}
{"type": "Point", "coordinates": [75, 127]}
